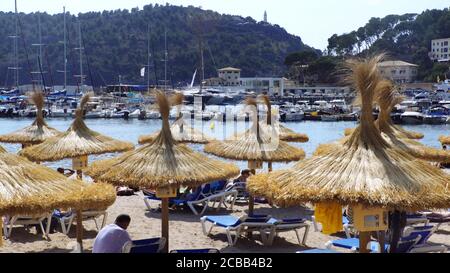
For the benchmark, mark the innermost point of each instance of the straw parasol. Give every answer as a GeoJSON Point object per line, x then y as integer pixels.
{"type": "Point", "coordinates": [387, 98]}
{"type": "Point", "coordinates": [445, 140]}
{"type": "Point", "coordinates": [27, 188]}
{"type": "Point", "coordinates": [2, 150]}
{"type": "Point", "coordinates": [77, 142]}
{"type": "Point", "coordinates": [181, 131]}
{"type": "Point", "coordinates": [162, 164]}
{"type": "Point", "coordinates": [366, 170]}
{"type": "Point", "coordinates": [285, 133]}
{"type": "Point", "coordinates": [253, 146]}
{"type": "Point", "coordinates": [37, 132]}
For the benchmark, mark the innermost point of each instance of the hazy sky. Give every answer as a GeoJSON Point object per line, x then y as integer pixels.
{"type": "Point", "coordinates": [313, 20]}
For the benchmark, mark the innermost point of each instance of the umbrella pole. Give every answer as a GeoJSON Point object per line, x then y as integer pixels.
{"type": "Point", "coordinates": [165, 222]}
{"type": "Point", "coordinates": [364, 239]}
{"type": "Point", "coordinates": [397, 224]}
{"type": "Point", "coordinates": [80, 230]}
{"type": "Point", "coordinates": [251, 201]}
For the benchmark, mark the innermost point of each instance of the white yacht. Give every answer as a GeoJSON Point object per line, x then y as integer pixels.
{"type": "Point", "coordinates": [412, 117]}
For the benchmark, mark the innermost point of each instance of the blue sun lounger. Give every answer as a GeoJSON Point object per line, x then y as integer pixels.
{"type": "Point", "coordinates": [236, 225]}
{"type": "Point", "coordinates": [188, 251]}
{"type": "Point", "coordinates": [153, 245]}
{"type": "Point", "coordinates": [318, 251]}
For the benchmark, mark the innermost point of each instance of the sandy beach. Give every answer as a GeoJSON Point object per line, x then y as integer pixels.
{"type": "Point", "coordinates": [185, 231]}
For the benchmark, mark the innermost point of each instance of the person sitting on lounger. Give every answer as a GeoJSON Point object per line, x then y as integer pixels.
{"type": "Point", "coordinates": [113, 237]}
{"type": "Point", "coordinates": [240, 183]}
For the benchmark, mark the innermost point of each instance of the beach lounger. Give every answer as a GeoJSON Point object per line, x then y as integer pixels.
{"type": "Point", "coordinates": [405, 244]}
{"type": "Point", "coordinates": [319, 251]}
{"type": "Point", "coordinates": [236, 225]}
{"type": "Point", "coordinates": [416, 218]}
{"type": "Point", "coordinates": [423, 246]}
{"type": "Point", "coordinates": [67, 220]}
{"type": "Point", "coordinates": [284, 225]}
{"type": "Point", "coordinates": [22, 220]}
{"type": "Point", "coordinates": [188, 251]}
{"type": "Point", "coordinates": [154, 245]}
{"type": "Point", "coordinates": [176, 201]}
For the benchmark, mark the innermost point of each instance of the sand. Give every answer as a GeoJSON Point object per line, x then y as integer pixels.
{"type": "Point", "coordinates": [185, 231]}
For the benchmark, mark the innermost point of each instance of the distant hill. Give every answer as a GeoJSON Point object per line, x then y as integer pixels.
{"type": "Point", "coordinates": [116, 44]}
{"type": "Point", "coordinates": [406, 37]}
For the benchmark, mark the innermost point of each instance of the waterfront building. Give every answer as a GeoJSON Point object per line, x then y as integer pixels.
{"type": "Point", "coordinates": [231, 76]}
{"type": "Point", "coordinates": [264, 85]}
{"type": "Point", "coordinates": [440, 50]}
{"type": "Point", "coordinates": [398, 71]}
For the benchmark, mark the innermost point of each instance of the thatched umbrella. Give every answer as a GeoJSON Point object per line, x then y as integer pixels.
{"type": "Point", "coordinates": [163, 164]}
{"type": "Point", "coordinates": [181, 131]}
{"type": "Point", "coordinates": [365, 171]}
{"type": "Point", "coordinates": [387, 98]}
{"type": "Point", "coordinates": [37, 132]}
{"type": "Point", "coordinates": [254, 147]}
{"type": "Point", "coordinates": [445, 140]}
{"type": "Point", "coordinates": [27, 188]}
{"type": "Point", "coordinates": [77, 143]}
{"type": "Point", "coordinates": [285, 133]}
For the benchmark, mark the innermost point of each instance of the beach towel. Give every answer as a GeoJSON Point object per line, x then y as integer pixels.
{"type": "Point", "coordinates": [330, 216]}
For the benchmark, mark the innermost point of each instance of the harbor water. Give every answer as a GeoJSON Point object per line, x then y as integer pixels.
{"type": "Point", "coordinates": [130, 130]}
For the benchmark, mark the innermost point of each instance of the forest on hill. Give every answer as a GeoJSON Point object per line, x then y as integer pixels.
{"type": "Point", "coordinates": [405, 37]}
{"type": "Point", "coordinates": [116, 43]}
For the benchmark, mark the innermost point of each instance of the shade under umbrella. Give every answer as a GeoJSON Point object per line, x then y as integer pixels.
{"type": "Point", "coordinates": [445, 140]}
{"type": "Point", "coordinates": [77, 141]}
{"type": "Point", "coordinates": [30, 189]}
{"type": "Point", "coordinates": [162, 163]}
{"type": "Point", "coordinates": [365, 170]}
{"type": "Point", "coordinates": [37, 132]}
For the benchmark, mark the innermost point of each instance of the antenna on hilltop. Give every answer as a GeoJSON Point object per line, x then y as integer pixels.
{"type": "Point", "coordinates": [265, 16]}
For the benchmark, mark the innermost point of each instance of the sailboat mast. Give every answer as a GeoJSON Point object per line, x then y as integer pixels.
{"type": "Point", "coordinates": [16, 47]}
{"type": "Point", "coordinates": [165, 60]}
{"type": "Point", "coordinates": [65, 50]}
{"type": "Point", "coordinates": [81, 57]}
{"type": "Point", "coordinates": [148, 56]}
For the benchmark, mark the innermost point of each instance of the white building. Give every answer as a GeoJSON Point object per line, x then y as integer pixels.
{"type": "Point", "coordinates": [398, 71]}
{"type": "Point", "coordinates": [440, 50]}
{"type": "Point", "coordinates": [270, 86]}
{"type": "Point", "coordinates": [230, 76]}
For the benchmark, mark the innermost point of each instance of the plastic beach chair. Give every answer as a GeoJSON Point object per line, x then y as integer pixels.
{"type": "Point", "coordinates": [23, 220]}
{"type": "Point", "coordinates": [404, 245]}
{"type": "Point", "coordinates": [319, 251]}
{"type": "Point", "coordinates": [187, 251]}
{"type": "Point", "coordinates": [285, 225]}
{"type": "Point", "coordinates": [423, 246]}
{"type": "Point", "coordinates": [153, 245]}
{"type": "Point", "coordinates": [233, 224]}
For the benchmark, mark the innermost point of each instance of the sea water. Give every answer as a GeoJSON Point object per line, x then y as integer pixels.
{"type": "Point", "coordinates": [130, 130]}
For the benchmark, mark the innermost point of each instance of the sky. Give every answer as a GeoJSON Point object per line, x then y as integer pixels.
{"type": "Point", "coordinates": [313, 20]}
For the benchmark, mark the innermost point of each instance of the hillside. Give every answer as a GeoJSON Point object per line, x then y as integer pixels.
{"type": "Point", "coordinates": [116, 44]}
{"type": "Point", "coordinates": [406, 37]}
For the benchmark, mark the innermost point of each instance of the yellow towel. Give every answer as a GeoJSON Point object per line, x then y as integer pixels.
{"type": "Point", "coordinates": [212, 126]}
{"type": "Point", "coordinates": [330, 216]}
